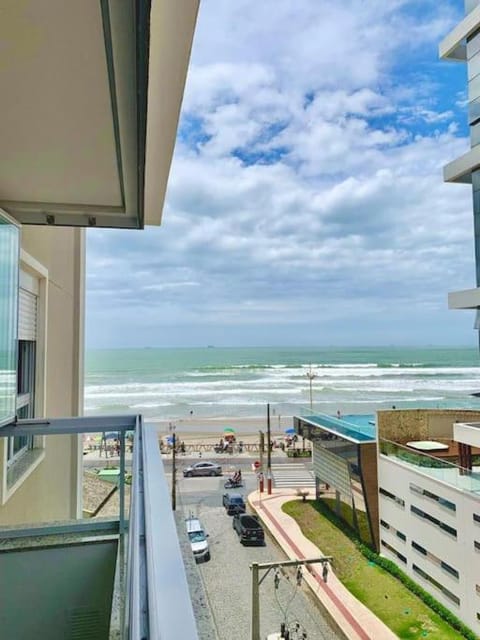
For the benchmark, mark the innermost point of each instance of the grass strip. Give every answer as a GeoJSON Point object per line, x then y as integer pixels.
{"type": "Point", "coordinates": [385, 595]}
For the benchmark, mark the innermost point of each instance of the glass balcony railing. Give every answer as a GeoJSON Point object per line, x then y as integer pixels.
{"type": "Point", "coordinates": [431, 466]}
{"type": "Point", "coordinates": [360, 428]}
{"type": "Point", "coordinates": [123, 575]}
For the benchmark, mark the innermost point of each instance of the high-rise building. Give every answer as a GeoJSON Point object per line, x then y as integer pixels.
{"type": "Point", "coordinates": [463, 44]}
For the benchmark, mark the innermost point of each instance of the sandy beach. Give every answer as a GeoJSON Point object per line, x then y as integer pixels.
{"type": "Point", "coordinates": [192, 430]}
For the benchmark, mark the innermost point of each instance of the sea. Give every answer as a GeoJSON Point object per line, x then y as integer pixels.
{"type": "Point", "coordinates": [211, 382]}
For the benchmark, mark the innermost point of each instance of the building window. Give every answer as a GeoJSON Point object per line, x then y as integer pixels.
{"type": "Point", "coordinates": [17, 446]}
{"type": "Point", "coordinates": [443, 502]}
{"type": "Point", "coordinates": [477, 589]}
{"type": "Point", "coordinates": [476, 545]}
{"type": "Point", "coordinates": [441, 525]}
{"type": "Point", "coordinates": [448, 594]}
{"type": "Point", "coordinates": [389, 527]}
{"type": "Point", "coordinates": [9, 264]}
{"type": "Point", "coordinates": [435, 560]}
{"type": "Point", "coordinates": [396, 553]}
{"type": "Point", "coordinates": [476, 518]}
{"type": "Point", "coordinates": [392, 496]}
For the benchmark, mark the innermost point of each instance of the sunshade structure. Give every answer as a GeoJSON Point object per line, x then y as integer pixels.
{"type": "Point", "coordinates": [229, 430]}
{"type": "Point", "coordinates": [290, 431]}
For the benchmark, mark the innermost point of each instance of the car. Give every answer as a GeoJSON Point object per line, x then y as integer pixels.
{"type": "Point", "coordinates": [249, 529]}
{"type": "Point", "coordinates": [198, 539]}
{"type": "Point", "coordinates": [233, 503]}
{"type": "Point", "coordinates": [202, 469]}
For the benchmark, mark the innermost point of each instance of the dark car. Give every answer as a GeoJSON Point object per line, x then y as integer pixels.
{"type": "Point", "coordinates": [233, 503]}
{"type": "Point", "coordinates": [203, 469]}
{"type": "Point", "coordinates": [249, 529]}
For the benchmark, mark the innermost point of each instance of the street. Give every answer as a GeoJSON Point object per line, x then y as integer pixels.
{"type": "Point", "coordinates": [227, 576]}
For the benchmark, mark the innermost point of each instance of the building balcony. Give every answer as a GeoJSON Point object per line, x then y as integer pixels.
{"type": "Point", "coordinates": [453, 46]}
{"type": "Point", "coordinates": [100, 578]}
{"type": "Point", "coordinates": [466, 299]}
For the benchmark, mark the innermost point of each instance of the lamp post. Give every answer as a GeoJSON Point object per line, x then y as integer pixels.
{"type": "Point", "coordinates": [311, 375]}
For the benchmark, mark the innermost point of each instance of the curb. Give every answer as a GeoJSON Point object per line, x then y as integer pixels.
{"type": "Point", "coordinates": [349, 616]}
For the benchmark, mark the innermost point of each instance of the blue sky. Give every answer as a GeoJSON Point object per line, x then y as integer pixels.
{"type": "Point", "coordinates": [305, 204]}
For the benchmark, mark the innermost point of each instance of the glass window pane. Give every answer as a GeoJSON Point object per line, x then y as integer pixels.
{"type": "Point", "coordinates": [474, 88]}
{"type": "Point", "coordinates": [9, 260]}
{"type": "Point", "coordinates": [474, 66]}
{"type": "Point", "coordinates": [473, 45]}
{"type": "Point", "coordinates": [474, 111]}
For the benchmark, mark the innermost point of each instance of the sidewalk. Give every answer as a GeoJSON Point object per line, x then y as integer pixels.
{"type": "Point", "coordinates": [351, 616]}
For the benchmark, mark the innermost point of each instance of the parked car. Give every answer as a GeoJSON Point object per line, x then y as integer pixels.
{"type": "Point", "coordinates": [198, 539]}
{"type": "Point", "coordinates": [203, 469]}
{"type": "Point", "coordinates": [233, 503]}
{"type": "Point", "coordinates": [249, 529]}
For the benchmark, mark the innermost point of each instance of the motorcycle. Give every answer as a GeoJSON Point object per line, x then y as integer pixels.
{"type": "Point", "coordinates": [233, 484]}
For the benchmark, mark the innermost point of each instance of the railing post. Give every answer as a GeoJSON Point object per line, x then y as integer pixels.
{"type": "Point", "coordinates": [121, 516]}
{"type": "Point", "coordinates": [255, 626]}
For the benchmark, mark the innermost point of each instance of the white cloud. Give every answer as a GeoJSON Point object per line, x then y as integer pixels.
{"type": "Point", "coordinates": [306, 188]}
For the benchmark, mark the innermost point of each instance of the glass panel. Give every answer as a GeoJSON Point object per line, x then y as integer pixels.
{"type": "Point", "coordinates": [474, 88]}
{"type": "Point", "coordinates": [474, 111]}
{"type": "Point", "coordinates": [9, 252]}
{"type": "Point", "coordinates": [474, 66]}
{"type": "Point", "coordinates": [473, 45]}
{"type": "Point", "coordinates": [475, 135]}
{"type": "Point", "coordinates": [436, 468]}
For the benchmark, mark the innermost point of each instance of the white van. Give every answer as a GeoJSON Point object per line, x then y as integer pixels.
{"type": "Point", "coordinates": [198, 539]}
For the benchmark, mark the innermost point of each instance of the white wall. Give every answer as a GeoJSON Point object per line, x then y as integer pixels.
{"type": "Point", "coordinates": [459, 553]}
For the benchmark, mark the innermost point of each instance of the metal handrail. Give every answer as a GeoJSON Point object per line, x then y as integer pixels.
{"type": "Point", "coordinates": [160, 606]}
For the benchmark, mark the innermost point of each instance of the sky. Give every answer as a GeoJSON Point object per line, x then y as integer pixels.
{"type": "Point", "coordinates": [305, 203]}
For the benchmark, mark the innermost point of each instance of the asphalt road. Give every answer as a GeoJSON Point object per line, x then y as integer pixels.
{"type": "Point", "coordinates": [227, 576]}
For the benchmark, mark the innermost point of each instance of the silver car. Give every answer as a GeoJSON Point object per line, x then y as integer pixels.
{"type": "Point", "coordinates": [202, 469]}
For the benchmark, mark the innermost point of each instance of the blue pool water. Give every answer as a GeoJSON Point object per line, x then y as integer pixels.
{"type": "Point", "coordinates": [356, 426]}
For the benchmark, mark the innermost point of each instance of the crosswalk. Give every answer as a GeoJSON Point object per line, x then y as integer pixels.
{"type": "Point", "coordinates": [292, 475]}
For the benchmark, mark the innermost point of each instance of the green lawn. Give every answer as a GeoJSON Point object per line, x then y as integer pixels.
{"type": "Point", "coordinates": [406, 615]}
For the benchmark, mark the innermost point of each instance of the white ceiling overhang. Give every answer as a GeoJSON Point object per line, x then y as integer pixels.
{"type": "Point", "coordinates": [91, 96]}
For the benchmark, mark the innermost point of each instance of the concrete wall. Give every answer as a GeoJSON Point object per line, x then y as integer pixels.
{"type": "Point", "coordinates": [401, 425]}
{"type": "Point", "coordinates": [51, 491]}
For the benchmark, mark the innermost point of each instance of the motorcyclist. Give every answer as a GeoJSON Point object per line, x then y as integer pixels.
{"type": "Point", "coordinates": [237, 477]}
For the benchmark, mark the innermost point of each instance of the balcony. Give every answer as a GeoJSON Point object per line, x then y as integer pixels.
{"type": "Point", "coordinates": [100, 579]}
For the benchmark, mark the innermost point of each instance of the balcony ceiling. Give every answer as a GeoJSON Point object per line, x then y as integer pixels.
{"type": "Point", "coordinates": [91, 95]}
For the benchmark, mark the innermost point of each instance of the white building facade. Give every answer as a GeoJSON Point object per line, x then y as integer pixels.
{"type": "Point", "coordinates": [429, 521]}
{"type": "Point", "coordinates": [463, 44]}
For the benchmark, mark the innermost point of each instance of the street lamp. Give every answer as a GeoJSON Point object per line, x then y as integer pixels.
{"type": "Point", "coordinates": [311, 375]}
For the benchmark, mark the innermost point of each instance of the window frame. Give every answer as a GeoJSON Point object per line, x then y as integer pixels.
{"type": "Point", "coordinates": [18, 467]}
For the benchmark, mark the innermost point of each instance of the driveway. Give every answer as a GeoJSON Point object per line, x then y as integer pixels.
{"type": "Point", "coordinates": [227, 576]}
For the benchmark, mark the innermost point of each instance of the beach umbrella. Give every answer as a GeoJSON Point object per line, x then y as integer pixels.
{"type": "Point", "coordinates": [228, 430]}
{"type": "Point", "coordinates": [111, 435]}
{"type": "Point", "coordinates": [290, 431]}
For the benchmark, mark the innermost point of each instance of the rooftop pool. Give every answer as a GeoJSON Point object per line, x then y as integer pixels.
{"type": "Point", "coordinates": [359, 427]}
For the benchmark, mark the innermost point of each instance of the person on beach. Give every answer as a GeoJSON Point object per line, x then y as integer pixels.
{"type": "Point", "coordinates": [339, 415]}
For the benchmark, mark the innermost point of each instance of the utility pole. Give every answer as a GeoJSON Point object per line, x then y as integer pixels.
{"type": "Point", "coordinates": [311, 375]}
{"type": "Point", "coordinates": [267, 567]}
{"type": "Point", "coordinates": [269, 454]}
{"type": "Point", "coordinates": [255, 603]}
